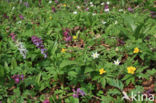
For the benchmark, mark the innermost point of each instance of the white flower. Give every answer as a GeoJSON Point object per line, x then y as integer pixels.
{"type": "Point", "coordinates": [116, 22]}
{"type": "Point", "coordinates": [106, 10]}
{"type": "Point", "coordinates": [94, 14]}
{"type": "Point", "coordinates": [95, 55]}
{"type": "Point", "coordinates": [78, 7]}
{"type": "Point", "coordinates": [19, 22]}
{"type": "Point", "coordinates": [91, 3]}
{"type": "Point", "coordinates": [22, 49]}
{"type": "Point", "coordinates": [13, 8]}
{"type": "Point", "coordinates": [103, 22]}
{"type": "Point", "coordinates": [120, 10]}
{"type": "Point", "coordinates": [75, 12]}
{"type": "Point", "coordinates": [102, 3]}
{"type": "Point", "coordinates": [108, 3]}
{"type": "Point", "coordinates": [117, 62]}
{"type": "Point", "coordinates": [50, 2]}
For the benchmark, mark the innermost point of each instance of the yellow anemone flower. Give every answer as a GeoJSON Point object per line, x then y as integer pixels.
{"type": "Point", "coordinates": [131, 69]}
{"type": "Point", "coordinates": [102, 71]}
{"type": "Point", "coordinates": [136, 50]}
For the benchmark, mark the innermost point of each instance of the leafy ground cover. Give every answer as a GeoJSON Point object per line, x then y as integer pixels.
{"type": "Point", "coordinates": [77, 51]}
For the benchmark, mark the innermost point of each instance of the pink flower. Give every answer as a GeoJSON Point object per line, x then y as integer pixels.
{"type": "Point", "coordinates": [46, 101]}
{"type": "Point", "coordinates": [13, 36]}
{"type": "Point", "coordinates": [130, 9]}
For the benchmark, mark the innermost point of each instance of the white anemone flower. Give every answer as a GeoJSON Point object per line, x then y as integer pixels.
{"type": "Point", "coordinates": [102, 3]}
{"type": "Point", "coordinates": [120, 10]}
{"type": "Point", "coordinates": [103, 22]}
{"type": "Point", "coordinates": [78, 7]}
{"type": "Point", "coordinates": [91, 3]}
{"type": "Point", "coordinates": [50, 2]}
{"type": "Point", "coordinates": [95, 55]}
{"type": "Point", "coordinates": [108, 3]}
{"type": "Point", "coordinates": [75, 12]}
{"type": "Point", "coordinates": [117, 62]}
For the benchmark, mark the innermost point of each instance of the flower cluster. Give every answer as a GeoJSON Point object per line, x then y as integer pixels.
{"type": "Point", "coordinates": [20, 46]}
{"type": "Point", "coordinates": [66, 35]}
{"type": "Point", "coordinates": [18, 78]}
{"type": "Point", "coordinates": [131, 69]}
{"type": "Point", "coordinates": [39, 44]}
{"type": "Point", "coordinates": [22, 49]}
{"type": "Point", "coordinates": [78, 92]}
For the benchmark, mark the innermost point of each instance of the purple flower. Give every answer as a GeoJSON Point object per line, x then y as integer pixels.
{"type": "Point", "coordinates": [130, 9]}
{"type": "Point", "coordinates": [81, 92]}
{"type": "Point", "coordinates": [17, 78]}
{"type": "Point", "coordinates": [0, 101]}
{"type": "Point", "coordinates": [5, 16]}
{"type": "Point", "coordinates": [78, 92]}
{"type": "Point", "coordinates": [121, 42]}
{"type": "Point", "coordinates": [26, 4]}
{"type": "Point", "coordinates": [21, 17]}
{"type": "Point", "coordinates": [46, 101]}
{"type": "Point", "coordinates": [39, 44]}
{"type": "Point", "coordinates": [153, 14]}
{"type": "Point", "coordinates": [53, 9]}
{"type": "Point", "coordinates": [66, 35]}
{"type": "Point", "coordinates": [13, 36]}
{"type": "Point", "coordinates": [56, 1]}
{"type": "Point", "coordinates": [87, 9]}
{"type": "Point", "coordinates": [106, 8]}
{"type": "Point", "coordinates": [69, 38]}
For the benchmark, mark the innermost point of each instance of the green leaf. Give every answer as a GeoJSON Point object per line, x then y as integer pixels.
{"type": "Point", "coordinates": [103, 82]}
{"type": "Point", "coordinates": [38, 78]}
{"type": "Point", "coordinates": [67, 63]}
{"type": "Point", "coordinates": [116, 83]}
{"type": "Point", "coordinates": [1, 71]}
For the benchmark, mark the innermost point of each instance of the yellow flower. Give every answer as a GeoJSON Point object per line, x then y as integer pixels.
{"type": "Point", "coordinates": [74, 37]}
{"type": "Point", "coordinates": [131, 69]}
{"type": "Point", "coordinates": [63, 50]}
{"type": "Point", "coordinates": [136, 50]}
{"type": "Point", "coordinates": [102, 71]}
{"type": "Point", "coordinates": [50, 17]}
{"type": "Point", "coordinates": [64, 5]}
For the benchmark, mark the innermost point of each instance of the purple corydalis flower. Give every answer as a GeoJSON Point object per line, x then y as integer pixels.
{"type": "Point", "coordinates": [87, 9]}
{"type": "Point", "coordinates": [78, 92]}
{"type": "Point", "coordinates": [56, 1]}
{"type": "Point", "coordinates": [130, 9]}
{"type": "Point", "coordinates": [67, 37]}
{"type": "Point", "coordinates": [39, 44]}
{"type": "Point", "coordinates": [106, 8]}
{"type": "Point", "coordinates": [153, 14]}
{"type": "Point", "coordinates": [121, 42]}
{"type": "Point", "coordinates": [26, 4]}
{"type": "Point", "coordinates": [21, 17]}
{"type": "Point", "coordinates": [13, 36]}
{"type": "Point", "coordinates": [46, 101]}
{"type": "Point", "coordinates": [18, 78]}
{"type": "Point", "coordinates": [5, 16]}
{"type": "Point", "coordinates": [53, 9]}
